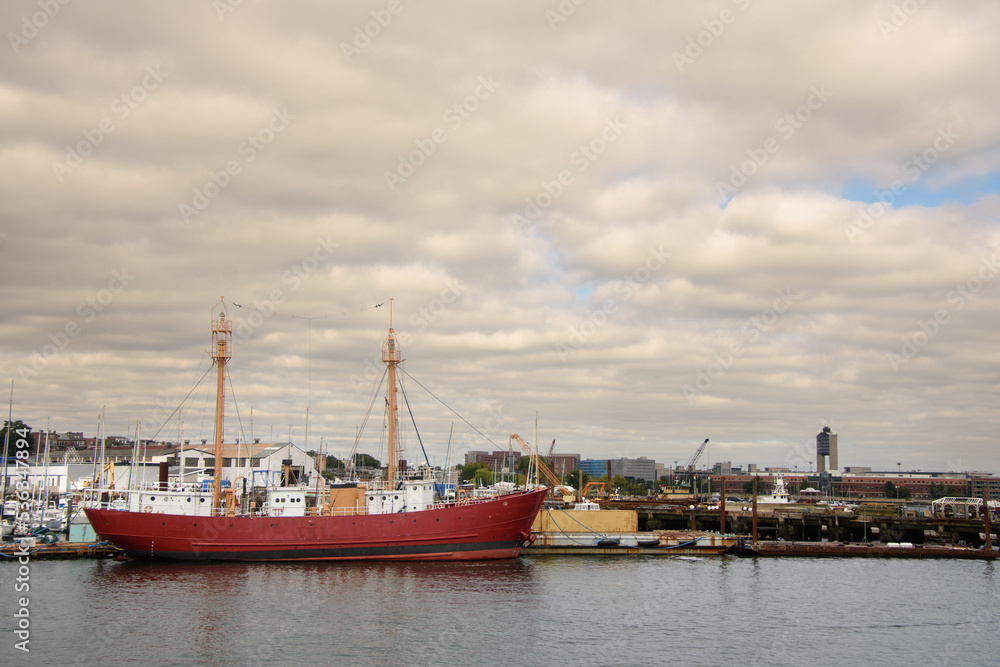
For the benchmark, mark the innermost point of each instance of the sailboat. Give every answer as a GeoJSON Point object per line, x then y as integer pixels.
{"type": "Point", "coordinates": [396, 518]}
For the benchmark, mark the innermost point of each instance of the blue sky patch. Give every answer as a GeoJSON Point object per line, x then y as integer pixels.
{"type": "Point", "coordinates": [921, 193]}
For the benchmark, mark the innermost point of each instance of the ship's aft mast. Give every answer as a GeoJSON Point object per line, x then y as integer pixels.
{"type": "Point", "coordinates": [222, 347]}
{"type": "Point", "coordinates": [391, 357]}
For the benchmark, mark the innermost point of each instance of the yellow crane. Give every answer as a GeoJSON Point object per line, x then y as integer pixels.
{"type": "Point", "coordinates": [550, 476]}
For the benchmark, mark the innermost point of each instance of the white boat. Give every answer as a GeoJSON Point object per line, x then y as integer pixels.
{"type": "Point", "coordinates": [586, 506]}
{"type": "Point", "coordinates": [778, 496]}
{"type": "Point", "coordinates": [53, 519]}
{"type": "Point", "coordinates": [10, 508]}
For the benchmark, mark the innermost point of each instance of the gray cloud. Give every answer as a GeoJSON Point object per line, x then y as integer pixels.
{"type": "Point", "coordinates": [541, 160]}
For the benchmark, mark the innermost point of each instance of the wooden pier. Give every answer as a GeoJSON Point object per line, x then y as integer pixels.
{"type": "Point", "coordinates": [838, 550]}
{"type": "Point", "coordinates": [65, 550]}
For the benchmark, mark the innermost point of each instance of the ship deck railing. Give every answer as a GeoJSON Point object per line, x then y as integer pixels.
{"type": "Point", "coordinates": [119, 499]}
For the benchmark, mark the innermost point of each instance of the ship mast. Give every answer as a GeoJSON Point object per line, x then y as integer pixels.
{"type": "Point", "coordinates": [391, 357]}
{"type": "Point", "coordinates": [222, 337]}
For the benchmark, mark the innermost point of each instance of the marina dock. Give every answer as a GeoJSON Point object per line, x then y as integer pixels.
{"type": "Point", "coordinates": [63, 550]}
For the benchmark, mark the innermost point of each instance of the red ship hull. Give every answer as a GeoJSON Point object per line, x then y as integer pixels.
{"type": "Point", "coordinates": [480, 530]}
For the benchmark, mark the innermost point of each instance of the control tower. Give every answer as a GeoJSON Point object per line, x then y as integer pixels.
{"type": "Point", "coordinates": [826, 445]}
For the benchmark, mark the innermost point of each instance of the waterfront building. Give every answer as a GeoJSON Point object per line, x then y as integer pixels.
{"type": "Point", "coordinates": [263, 461]}
{"type": "Point", "coordinates": [920, 485]}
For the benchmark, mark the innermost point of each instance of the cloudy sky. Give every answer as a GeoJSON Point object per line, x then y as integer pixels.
{"type": "Point", "coordinates": [648, 223]}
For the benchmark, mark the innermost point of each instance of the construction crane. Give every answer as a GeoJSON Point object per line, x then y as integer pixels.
{"type": "Point", "coordinates": [697, 455]}
{"type": "Point", "coordinates": [551, 447]}
{"type": "Point", "coordinates": [694, 460]}
{"type": "Point", "coordinates": [550, 476]}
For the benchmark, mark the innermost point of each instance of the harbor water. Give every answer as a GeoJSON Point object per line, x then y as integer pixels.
{"type": "Point", "coordinates": [538, 610]}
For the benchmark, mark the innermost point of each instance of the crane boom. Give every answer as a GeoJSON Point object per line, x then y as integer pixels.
{"type": "Point", "coordinates": [550, 476]}
{"type": "Point", "coordinates": [697, 455]}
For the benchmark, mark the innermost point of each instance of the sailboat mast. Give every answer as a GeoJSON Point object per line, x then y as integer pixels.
{"type": "Point", "coordinates": [222, 333]}
{"type": "Point", "coordinates": [6, 441]}
{"type": "Point", "coordinates": [391, 357]}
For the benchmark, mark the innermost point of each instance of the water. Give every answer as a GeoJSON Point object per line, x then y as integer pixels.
{"type": "Point", "coordinates": [537, 610]}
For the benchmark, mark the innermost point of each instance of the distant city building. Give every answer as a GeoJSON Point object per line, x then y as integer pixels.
{"type": "Point", "coordinates": [723, 468]}
{"type": "Point", "coordinates": [640, 468]}
{"type": "Point", "coordinates": [496, 460]}
{"type": "Point", "coordinates": [826, 445]}
{"type": "Point", "coordinates": [563, 464]}
{"type": "Point", "coordinates": [920, 485]}
{"type": "Point", "coordinates": [594, 467]}
{"type": "Point", "coordinates": [983, 484]}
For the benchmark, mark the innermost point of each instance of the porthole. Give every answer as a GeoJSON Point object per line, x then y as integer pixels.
{"type": "Point", "coordinates": [152, 497]}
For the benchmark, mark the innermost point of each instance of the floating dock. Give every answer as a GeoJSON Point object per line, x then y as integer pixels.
{"type": "Point", "coordinates": [838, 550]}
{"type": "Point", "coordinates": [656, 543]}
{"type": "Point", "coordinates": [615, 532]}
{"type": "Point", "coordinates": [61, 550]}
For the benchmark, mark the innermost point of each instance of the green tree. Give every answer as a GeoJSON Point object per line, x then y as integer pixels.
{"type": "Point", "coordinates": [483, 476]}
{"type": "Point", "coordinates": [893, 491]}
{"type": "Point", "coordinates": [17, 427]}
{"type": "Point", "coordinates": [523, 463]}
{"type": "Point", "coordinates": [748, 485]}
{"type": "Point", "coordinates": [939, 490]}
{"type": "Point", "coordinates": [366, 461]}
{"type": "Point", "coordinates": [468, 472]}
{"type": "Point", "coordinates": [619, 485]}
{"type": "Point", "coordinates": [572, 478]}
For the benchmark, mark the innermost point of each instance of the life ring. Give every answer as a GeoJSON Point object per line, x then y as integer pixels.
{"type": "Point", "coordinates": [147, 509]}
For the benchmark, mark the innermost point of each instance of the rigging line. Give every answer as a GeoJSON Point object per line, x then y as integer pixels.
{"type": "Point", "coordinates": [309, 393]}
{"type": "Point", "coordinates": [450, 408]}
{"type": "Point", "coordinates": [302, 317]}
{"type": "Point", "coordinates": [364, 422]}
{"type": "Point", "coordinates": [427, 461]}
{"type": "Point", "coordinates": [239, 420]}
{"type": "Point", "coordinates": [181, 403]}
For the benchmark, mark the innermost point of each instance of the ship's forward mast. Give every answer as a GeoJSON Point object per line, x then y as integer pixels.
{"type": "Point", "coordinates": [222, 350]}
{"type": "Point", "coordinates": [391, 357]}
